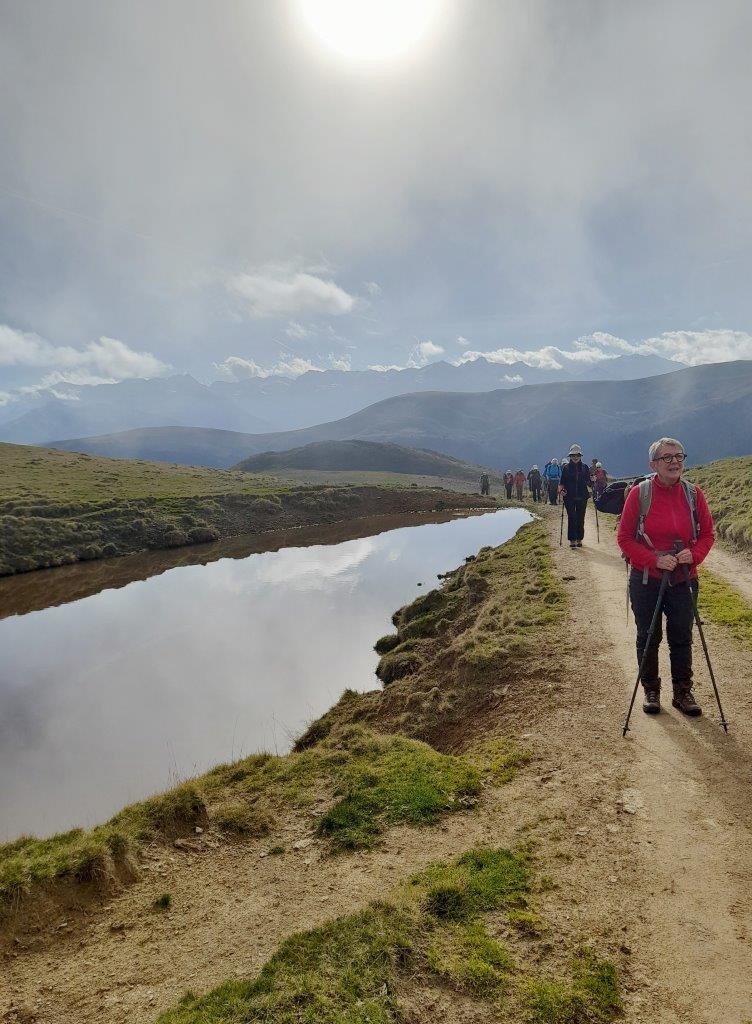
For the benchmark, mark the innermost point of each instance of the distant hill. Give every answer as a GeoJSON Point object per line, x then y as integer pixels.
{"type": "Point", "coordinates": [273, 403]}
{"type": "Point", "coordinates": [363, 455]}
{"type": "Point", "coordinates": [708, 407]}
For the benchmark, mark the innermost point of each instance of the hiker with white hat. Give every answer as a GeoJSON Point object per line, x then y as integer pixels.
{"type": "Point", "coordinates": [574, 487]}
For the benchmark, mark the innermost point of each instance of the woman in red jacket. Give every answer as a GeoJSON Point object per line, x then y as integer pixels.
{"type": "Point", "coordinates": [651, 548]}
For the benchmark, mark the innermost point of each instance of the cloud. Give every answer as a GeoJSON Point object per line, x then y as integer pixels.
{"type": "Point", "coordinates": [237, 368]}
{"type": "Point", "coordinates": [373, 289]}
{"type": "Point", "coordinates": [283, 290]}
{"type": "Point", "coordinates": [462, 341]}
{"type": "Point", "coordinates": [689, 347]}
{"type": "Point", "coordinates": [297, 331]}
{"type": "Point", "coordinates": [104, 361]}
{"type": "Point", "coordinates": [422, 353]}
{"type": "Point", "coordinates": [336, 362]}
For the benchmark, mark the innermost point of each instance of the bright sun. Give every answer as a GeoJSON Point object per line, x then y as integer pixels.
{"type": "Point", "coordinates": [370, 29]}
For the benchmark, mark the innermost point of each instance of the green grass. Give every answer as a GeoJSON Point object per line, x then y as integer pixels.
{"type": "Point", "coordinates": [719, 602]}
{"type": "Point", "coordinates": [727, 484]}
{"type": "Point", "coordinates": [27, 473]}
{"type": "Point", "coordinates": [351, 971]}
{"type": "Point", "coordinates": [396, 781]}
{"type": "Point", "coordinates": [591, 997]}
{"type": "Point", "coordinates": [94, 855]}
{"type": "Point", "coordinates": [375, 782]}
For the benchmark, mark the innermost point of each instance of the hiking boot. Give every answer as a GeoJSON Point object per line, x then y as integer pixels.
{"type": "Point", "coordinates": [685, 701]}
{"type": "Point", "coordinates": [579, 543]}
{"type": "Point", "coordinates": [573, 544]}
{"type": "Point", "coordinates": [651, 704]}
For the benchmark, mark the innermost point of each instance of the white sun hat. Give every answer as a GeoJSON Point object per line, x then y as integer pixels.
{"type": "Point", "coordinates": [574, 450]}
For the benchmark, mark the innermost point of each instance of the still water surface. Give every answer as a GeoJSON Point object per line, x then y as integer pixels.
{"type": "Point", "coordinates": [120, 694]}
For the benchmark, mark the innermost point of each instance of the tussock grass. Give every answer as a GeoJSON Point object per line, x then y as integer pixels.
{"type": "Point", "coordinates": [376, 781]}
{"type": "Point", "coordinates": [351, 971]}
{"type": "Point", "coordinates": [94, 855]}
{"type": "Point", "coordinates": [727, 484]}
{"type": "Point", "coordinates": [719, 602]}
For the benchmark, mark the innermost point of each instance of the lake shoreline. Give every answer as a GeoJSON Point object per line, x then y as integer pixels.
{"type": "Point", "coordinates": [49, 534]}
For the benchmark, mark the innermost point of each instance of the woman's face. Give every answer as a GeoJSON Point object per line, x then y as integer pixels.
{"type": "Point", "coordinates": [668, 464]}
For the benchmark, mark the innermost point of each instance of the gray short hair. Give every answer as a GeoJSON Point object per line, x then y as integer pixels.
{"type": "Point", "coordinates": [662, 442]}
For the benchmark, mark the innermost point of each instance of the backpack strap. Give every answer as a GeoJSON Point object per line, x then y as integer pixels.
{"type": "Point", "coordinates": [646, 496]}
{"type": "Point", "coordinates": [690, 493]}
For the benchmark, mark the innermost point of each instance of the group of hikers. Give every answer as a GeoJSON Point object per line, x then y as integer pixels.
{"type": "Point", "coordinates": [665, 531]}
{"type": "Point", "coordinates": [545, 485]}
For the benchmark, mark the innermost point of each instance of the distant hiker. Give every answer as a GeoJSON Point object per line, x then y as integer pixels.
{"type": "Point", "coordinates": [574, 484]}
{"type": "Point", "coordinates": [552, 476]}
{"type": "Point", "coordinates": [519, 483]}
{"type": "Point", "coordinates": [657, 513]}
{"type": "Point", "coordinates": [534, 482]}
{"type": "Point", "coordinates": [600, 480]}
{"type": "Point", "coordinates": [485, 484]}
{"type": "Point", "coordinates": [593, 467]}
{"type": "Point", "coordinates": [509, 482]}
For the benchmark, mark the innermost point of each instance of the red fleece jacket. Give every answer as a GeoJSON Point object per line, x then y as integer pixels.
{"type": "Point", "coordinates": [669, 518]}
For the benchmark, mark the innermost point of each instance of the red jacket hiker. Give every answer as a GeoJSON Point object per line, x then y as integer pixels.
{"type": "Point", "coordinates": [669, 518]}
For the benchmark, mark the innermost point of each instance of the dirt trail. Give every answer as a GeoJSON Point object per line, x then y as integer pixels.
{"type": "Point", "coordinates": [691, 787]}
{"type": "Point", "coordinates": [645, 843]}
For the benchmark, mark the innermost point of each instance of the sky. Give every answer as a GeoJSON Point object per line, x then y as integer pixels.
{"type": "Point", "coordinates": [217, 189]}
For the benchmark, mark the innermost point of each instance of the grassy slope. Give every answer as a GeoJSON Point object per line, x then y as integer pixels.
{"type": "Point", "coordinates": [727, 485]}
{"type": "Point", "coordinates": [365, 456]}
{"type": "Point", "coordinates": [27, 472]}
{"type": "Point", "coordinates": [57, 508]}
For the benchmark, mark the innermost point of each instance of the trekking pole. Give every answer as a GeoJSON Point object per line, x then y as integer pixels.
{"type": "Point", "coordinates": [724, 723]}
{"type": "Point", "coordinates": [561, 530]}
{"type": "Point", "coordinates": [643, 659]}
{"type": "Point", "coordinates": [597, 524]}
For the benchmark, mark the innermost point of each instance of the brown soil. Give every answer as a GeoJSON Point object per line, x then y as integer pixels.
{"type": "Point", "coordinates": [645, 842]}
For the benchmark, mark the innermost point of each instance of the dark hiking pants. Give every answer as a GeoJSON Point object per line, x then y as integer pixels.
{"type": "Point", "coordinates": [536, 489]}
{"type": "Point", "coordinates": [679, 611]}
{"type": "Point", "coordinates": [553, 492]}
{"type": "Point", "coordinates": [575, 517]}
{"type": "Point", "coordinates": [508, 490]}
{"type": "Point", "coordinates": [519, 492]}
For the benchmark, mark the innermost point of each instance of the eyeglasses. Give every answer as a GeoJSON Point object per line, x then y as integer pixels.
{"type": "Point", "coordinates": [575, 455]}
{"type": "Point", "coordinates": [668, 459]}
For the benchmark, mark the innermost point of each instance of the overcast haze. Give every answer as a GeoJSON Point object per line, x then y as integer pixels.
{"type": "Point", "coordinates": [187, 186]}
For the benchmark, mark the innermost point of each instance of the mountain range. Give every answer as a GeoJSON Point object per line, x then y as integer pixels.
{"type": "Point", "coordinates": [274, 403]}
{"type": "Point", "coordinates": [709, 408]}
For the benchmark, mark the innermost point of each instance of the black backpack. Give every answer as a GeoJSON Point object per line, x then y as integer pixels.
{"type": "Point", "coordinates": [612, 499]}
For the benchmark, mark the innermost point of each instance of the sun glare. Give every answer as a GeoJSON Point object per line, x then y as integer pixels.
{"type": "Point", "coordinates": [370, 30]}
